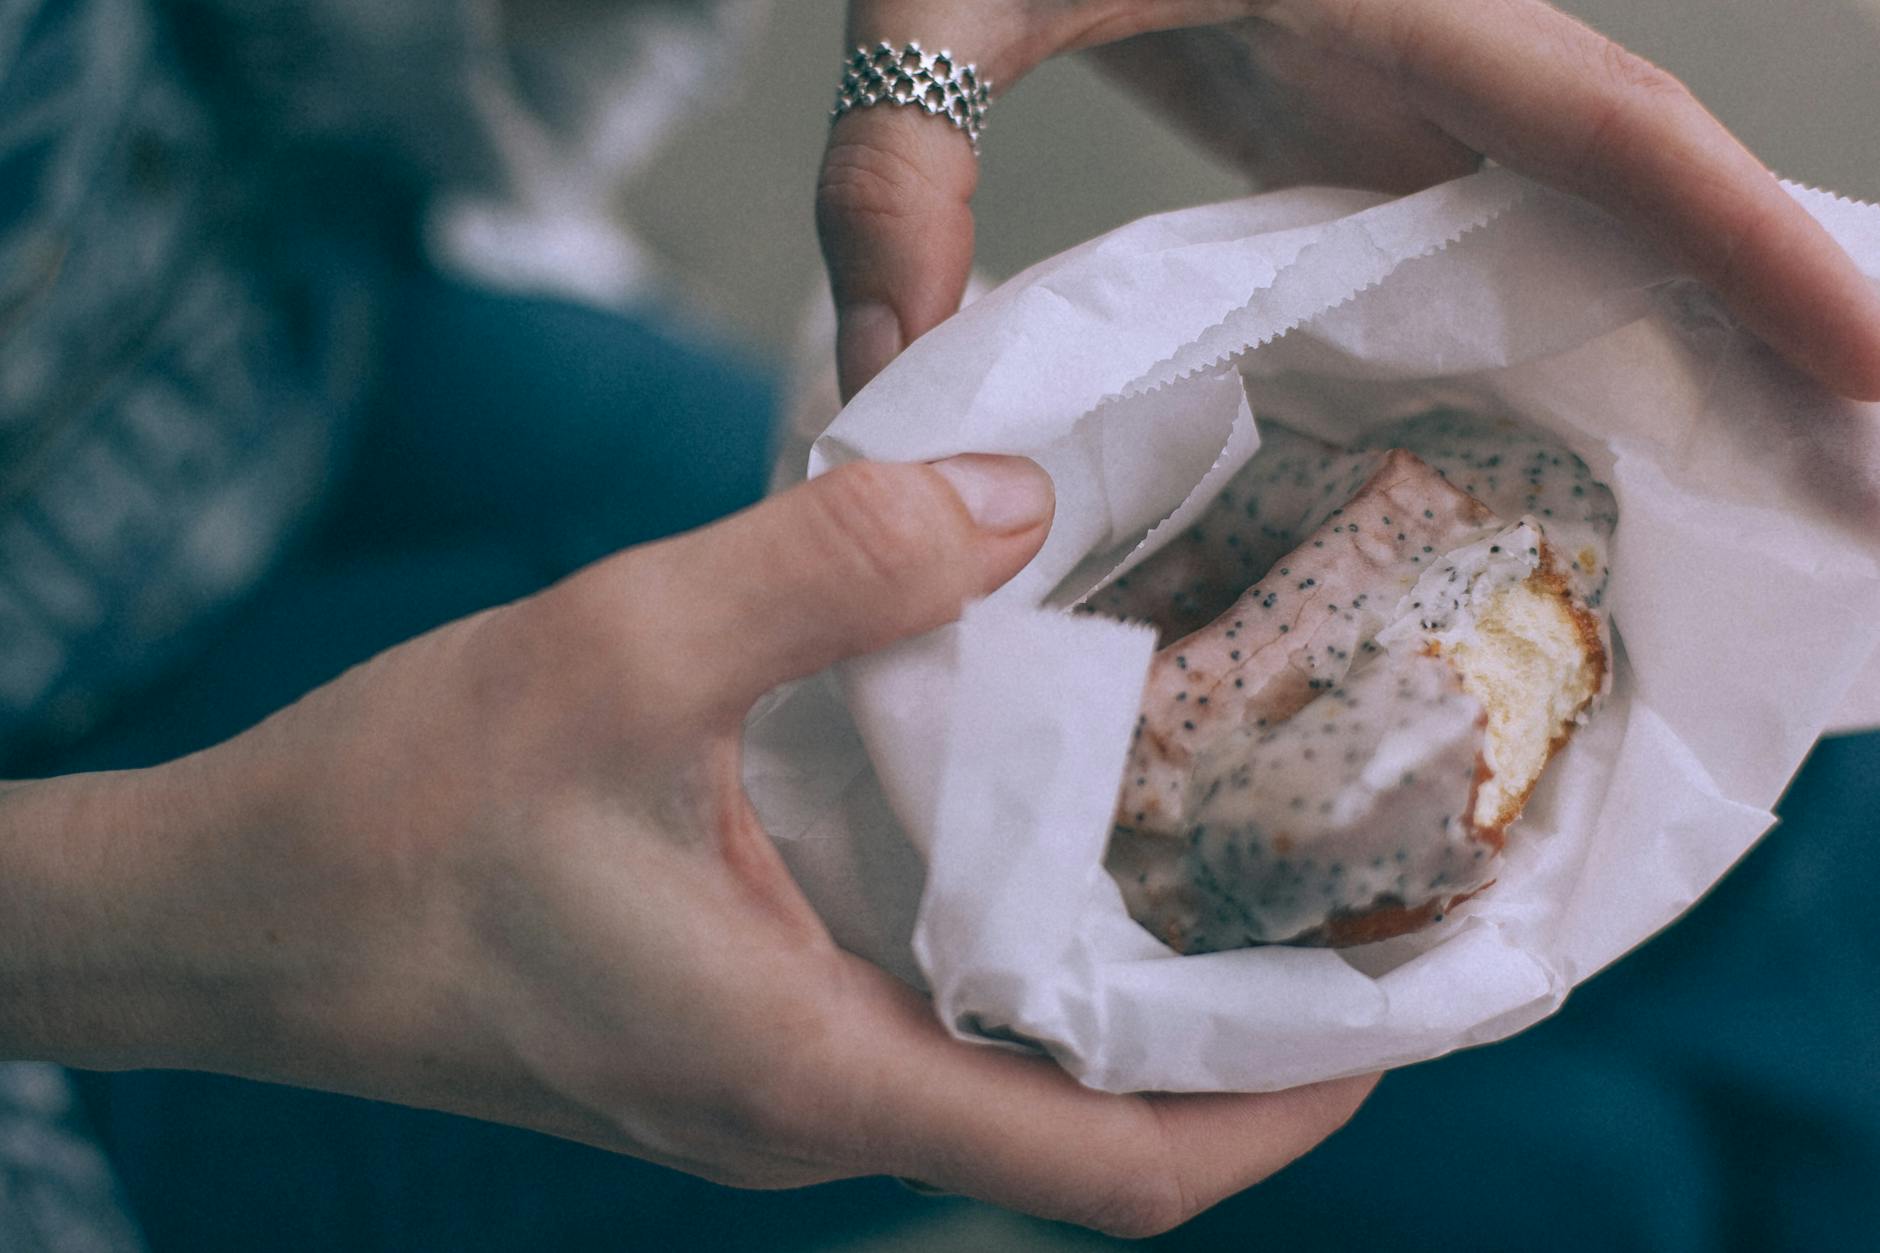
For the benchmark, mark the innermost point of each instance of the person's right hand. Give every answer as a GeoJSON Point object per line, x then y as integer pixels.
{"type": "Point", "coordinates": [509, 869]}
{"type": "Point", "coordinates": [1386, 94]}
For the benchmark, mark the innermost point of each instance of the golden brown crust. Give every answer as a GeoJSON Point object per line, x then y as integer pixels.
{"type": "Point", "coordinates": [1386, 921]}
{"type": "Point", "coordinates": [1550, 582]}
{"type": "Point", "coordinates": [1199, 896]}
{"type": "Point", "coordinates": [1392, 917]}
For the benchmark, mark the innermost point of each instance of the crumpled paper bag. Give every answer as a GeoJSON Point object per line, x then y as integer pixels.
{"type": "Point", "coordinates": [945, 803]}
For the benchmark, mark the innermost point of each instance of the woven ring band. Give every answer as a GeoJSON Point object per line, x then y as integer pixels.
{"type": "Point", "coordinates": [933, 82]}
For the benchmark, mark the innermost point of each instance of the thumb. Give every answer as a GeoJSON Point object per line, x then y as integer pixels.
{"type": "Point", "coordinates": [893, 210]}
{"type": "Point", "coordinates": [853, 560]}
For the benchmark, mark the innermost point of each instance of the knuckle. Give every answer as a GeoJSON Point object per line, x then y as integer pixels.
{"type": "Point", "coordinates": [784, 1115]}
{"type": "Point", "coordinates": [1723, 255]}
{"type": "Point", "coordinates": [798, 1111]}
{"type": "Point", "coordinates": [518, 667]}
{"type": "Point", "coordinates": [583, 612]}
{"type": "Point", "coordinates": [600, 655]}
{"type": "Point", "coordinates": [874, 518]}
{"type": "Point", "coordinates": [1151, 1194]}
{"type": "Point", "coordinates": [770, 1113]}
{"type": "Point", "coordinates": [863, 179]}
{"type": "Point", "coordinates": [1635, 105]}
{"type": "Point", "coordinates": [1148, 1205]}
{"type": "Point", "coordinates": [1158, 1197]}
{"type": "Point", "coordinates": [1632, 78]}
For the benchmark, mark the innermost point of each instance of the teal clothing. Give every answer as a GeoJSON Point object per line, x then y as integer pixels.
{"type": "Point", "coordinates": [1714, 1092]}
{"type": "Point", "coordinates": [245, 442]}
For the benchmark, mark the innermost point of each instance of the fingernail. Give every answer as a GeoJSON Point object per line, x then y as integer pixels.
{"type": "Point", "coordinates": [1004, 495]}
{"type": "Point", "coordinates": [868, 336]}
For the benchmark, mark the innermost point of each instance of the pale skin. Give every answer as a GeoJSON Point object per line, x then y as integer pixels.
{"type": "Point", "coordinates": [507, 869]}
{"type": "Point", "coordinates": [1387, 94]}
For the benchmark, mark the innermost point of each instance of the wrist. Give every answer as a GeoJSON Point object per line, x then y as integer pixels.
{"type": "Point", "coordinates": [124, 921]}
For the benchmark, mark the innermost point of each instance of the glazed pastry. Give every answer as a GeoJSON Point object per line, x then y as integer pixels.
{"type": "Point", "coordinates": [1295, 633]}
{"type": "Point", "coordinates": [1284, 491]}
{"type": "Point", "coordinates": [1336, 757]}
{"type": "Point", "coordinates": [1516, 471]}
{"type": "Point", "coordinates": [1356, 805]}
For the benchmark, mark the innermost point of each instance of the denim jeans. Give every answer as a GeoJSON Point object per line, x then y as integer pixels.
{"type": "Point", "coordinates": [1720, 1089]}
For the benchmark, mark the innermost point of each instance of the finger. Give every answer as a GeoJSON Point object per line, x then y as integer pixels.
{"type": "Point", "coordinates": [1549, 97]}
{"type": "Point", "coordinates": [894, 196]}
{"type": "Point", "coordinates": [848, 562]}
{"type": "Point", "coordinates": [893, 211]}
{"type": "Point", "coordinates": [893, 201]}
{"type": "Point", "coordinates": [1268, 102]}
{"type": "Point", "coordinates": [1020, 1132]}
{"type": "Point", "coordinates": [1226, 1144]}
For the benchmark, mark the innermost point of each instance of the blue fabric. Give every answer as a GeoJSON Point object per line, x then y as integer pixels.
{"type": "Point", "coordinates": [510, 441]}
{"type": "Point", "coordinates": [1719, 1090]}
{"type": "Point", "coordinates": [177, 372]}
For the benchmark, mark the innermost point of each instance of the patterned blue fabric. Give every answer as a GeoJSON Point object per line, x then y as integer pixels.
{"type": "Point", "coordinates": [156, 441]}
{"type": "Point", "coordinates": [507, 441]}
{"type": "Point", "coordinates": [182, 343]}
{"type": "Point", "coordinates": [198, 203]}
{"type": "Point", "coordinates": [171, 392]}
{"type": "Point", "coordinates": [57, 1191]}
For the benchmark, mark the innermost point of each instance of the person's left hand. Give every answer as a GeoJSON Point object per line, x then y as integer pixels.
{"type": "Point", "coordinates": [1386, 94]}
{"type": "Point", "coordinates": [509, 869]}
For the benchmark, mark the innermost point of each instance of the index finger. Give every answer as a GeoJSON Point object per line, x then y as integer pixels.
{"type": "Point", "coordinates": [1020, 1132]}
{"type": "Point", "coordinates": [1545, 95]}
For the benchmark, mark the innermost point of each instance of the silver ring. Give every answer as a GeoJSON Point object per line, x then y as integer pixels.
{"type": "Point", "coordinates": [933, 82]}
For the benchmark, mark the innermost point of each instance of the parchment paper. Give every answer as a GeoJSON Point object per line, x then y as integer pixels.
{"type": "Point", "coordinates": [945, 803]}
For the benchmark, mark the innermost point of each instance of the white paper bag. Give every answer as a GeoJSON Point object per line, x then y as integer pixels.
{"type": "Point", "coordinates": [945, 803]}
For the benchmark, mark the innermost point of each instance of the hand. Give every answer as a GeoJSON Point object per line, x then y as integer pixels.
{"type": "Point", "coordinates": [1389, 94]}
{"type": "Point", "coordinates": [508, 869]}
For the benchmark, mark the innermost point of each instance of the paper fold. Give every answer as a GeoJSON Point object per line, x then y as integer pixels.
{"type": "Point", "coordinates": [1746, 580]}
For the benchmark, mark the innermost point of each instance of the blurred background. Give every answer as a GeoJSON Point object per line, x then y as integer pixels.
{"type": "Point", "coordinates": [727, 202]}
